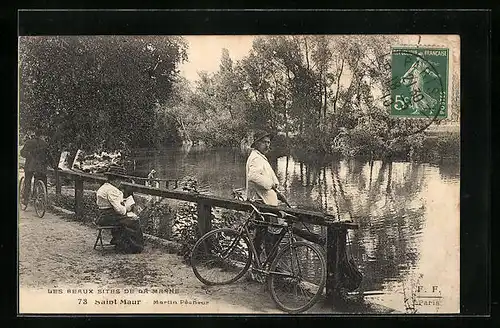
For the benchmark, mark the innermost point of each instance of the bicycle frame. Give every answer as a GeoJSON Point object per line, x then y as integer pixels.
{"type": "Point", "coordinates": [33, 191]}
{"type": "Point", "coordinates": [33, 196]}
{"type": "Point", "coordinates": [280, 269]}
{"type": "Point", "coordinates": [244, 230]}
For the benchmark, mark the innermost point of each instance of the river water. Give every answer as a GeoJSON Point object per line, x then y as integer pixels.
{"type": "Point", "coordinates": [408, 212]}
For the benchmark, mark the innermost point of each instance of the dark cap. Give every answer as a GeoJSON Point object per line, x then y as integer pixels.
{"type": "Point", "coordinates": [259, 135]}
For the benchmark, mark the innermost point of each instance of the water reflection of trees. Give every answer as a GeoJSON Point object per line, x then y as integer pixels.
{"type": "Point", "coordinates": [449, 170]}
{"type": "Point", "coordinates": [382, 198]}
{"type": "Point", "coordinates": [216, 171]}
{"type": "Point", "coordinates": [390, 224]}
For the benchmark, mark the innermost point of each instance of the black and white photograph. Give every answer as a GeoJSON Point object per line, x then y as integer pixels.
{"type": "Point", "coordinates": [244, 174]}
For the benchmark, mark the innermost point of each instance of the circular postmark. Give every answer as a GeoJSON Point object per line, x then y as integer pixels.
{"type": "Point", "coordinates": [414, 87]}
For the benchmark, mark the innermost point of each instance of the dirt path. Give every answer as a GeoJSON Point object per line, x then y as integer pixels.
{"type": "Point", "coordinates": [57, 254]}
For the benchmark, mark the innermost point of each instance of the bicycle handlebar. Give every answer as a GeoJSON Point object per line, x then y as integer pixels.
{"type": "Point", "coordinates": [237, 193]}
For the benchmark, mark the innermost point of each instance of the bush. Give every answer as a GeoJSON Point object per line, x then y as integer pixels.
{"type": "Point", "coordinates": [446, 145]}
{"type": "Point", "coordinates": [185, 229]}
{"type": "Point", "coordinates": [90, 209]}
{"type": "Point", "coordinates": [157, 220]}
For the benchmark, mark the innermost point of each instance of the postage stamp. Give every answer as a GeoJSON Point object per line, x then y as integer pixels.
{"type": "Point", "coordinates": [244, 174]}
{"type": "Point", "coordinates": [420, 77]}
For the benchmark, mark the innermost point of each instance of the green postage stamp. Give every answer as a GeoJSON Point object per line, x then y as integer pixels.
{"type": "Point", "coordinates": [419, 82]}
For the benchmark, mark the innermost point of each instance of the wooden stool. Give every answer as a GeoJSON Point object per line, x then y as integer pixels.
{"type": "Point", "coordinates": [99, 235]}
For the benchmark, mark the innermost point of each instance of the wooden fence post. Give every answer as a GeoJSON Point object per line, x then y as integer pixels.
{"type": "Point", "coordinates": [335, 250]}
{"type": "Point", "coordinates": [58, 182]}
{"type": "Point", "coordinates": [331, 263]}
{"type": "Point", "coordinates": [341, 258]}
{"type": "Point", "coordinates": [79, 198]}
{"type": "Point", "coordinates": [204, 217]}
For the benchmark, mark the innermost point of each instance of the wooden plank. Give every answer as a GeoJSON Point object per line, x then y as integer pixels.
{"type": "Point", "coordinates": [58, 182]}
{"type": "Point", "coordinates": [303, 215]}
{"type": "Point", "coordinates": [335, 250]}
{"type": "Point", "coordinates": [180, 195]}
{"type": "Point", "coordinates": [316, 218]}
{"type": "Point", "coordinates": [101, 177]}
{"type": "Point", "coordinates": [81, 175]}
{"type": "Point", "coordinates": [331, 261]}
{"type": "Point", "coordinates": [339, 295]}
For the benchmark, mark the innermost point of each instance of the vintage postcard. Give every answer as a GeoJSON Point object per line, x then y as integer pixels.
{"type": "Point", "coordinates": [151, 170]}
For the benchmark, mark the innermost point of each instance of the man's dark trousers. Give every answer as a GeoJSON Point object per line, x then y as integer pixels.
{"type": "Point", "coordinates": [28, 176]}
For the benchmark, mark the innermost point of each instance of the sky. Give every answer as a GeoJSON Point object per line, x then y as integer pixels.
{"type": "Point", "coordinates": [205, 51]}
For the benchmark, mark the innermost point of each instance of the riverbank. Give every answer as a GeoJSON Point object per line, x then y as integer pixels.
{"type": "Point", "coordinates": [56, 254]}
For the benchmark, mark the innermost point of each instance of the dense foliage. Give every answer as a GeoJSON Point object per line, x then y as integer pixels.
{"type": "Point", "coordinates": [318, 93]}
{"type": "Point", "coordinates": [97, 92]}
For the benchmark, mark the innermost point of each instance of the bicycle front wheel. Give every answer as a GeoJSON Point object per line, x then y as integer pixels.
{"type": "Point", "coordinates": [297, 277]}
{"type": "Point", "coordinates": [21, 194]}
{"type": "Point", "coordinates": [40, 198]}
{"type": "Point", "coordinates": [220, 257]}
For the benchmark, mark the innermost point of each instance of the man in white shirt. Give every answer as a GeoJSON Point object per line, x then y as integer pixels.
{"type": "Point", "coordinates": [128, 237]}
{"type": "Point", "coordinates": [261, 182]}
{"type": "Point", "coordinates": [260, 177]}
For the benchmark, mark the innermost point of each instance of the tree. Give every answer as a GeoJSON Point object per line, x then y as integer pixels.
{"type": "Point", "coordinates": [215, 110]}
{"type": "Point", "coordinates": [96, 91]}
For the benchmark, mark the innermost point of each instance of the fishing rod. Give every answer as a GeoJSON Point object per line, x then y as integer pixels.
{"type": "Point", "coordinates": [281, 197]}
{"type": "Point", "coordinates": [284, 200]}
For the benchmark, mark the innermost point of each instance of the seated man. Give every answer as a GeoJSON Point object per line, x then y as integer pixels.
{"type": "Point", "coordinates": [128, 238]}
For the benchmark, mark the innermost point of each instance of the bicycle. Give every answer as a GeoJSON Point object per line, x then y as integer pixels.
{"type": "Point", "coordinates": [293, 288]}
{"type": "Point", "coordinates": [38, 196]}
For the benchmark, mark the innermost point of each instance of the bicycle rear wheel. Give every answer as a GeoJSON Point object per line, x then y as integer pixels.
{"type": "Point", "coordinates": [220, 257]}
{"type": "Point", "coordinates": [40, 198]}
{"type": "Point", "coordinates": [297, 277]}
{"type": "Point", "coordinates": [21, 194]}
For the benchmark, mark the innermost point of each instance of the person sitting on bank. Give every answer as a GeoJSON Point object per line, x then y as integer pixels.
{"type": "Point", "coordinates": [128, 238]}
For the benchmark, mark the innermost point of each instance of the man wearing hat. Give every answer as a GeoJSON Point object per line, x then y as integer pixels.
{"type": "Point", "coordinates": [261, 183]}
{"type": "Point", "coordinates": [38, 157]}
{"type": "Point", "coordinates": [260, 177]}
{"type": "Point", "coordinates": [128, 237]}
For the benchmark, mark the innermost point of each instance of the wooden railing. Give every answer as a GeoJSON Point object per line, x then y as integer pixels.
{"type": "Point", "coordinates": [336, 230]}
